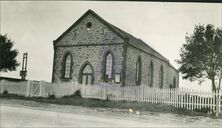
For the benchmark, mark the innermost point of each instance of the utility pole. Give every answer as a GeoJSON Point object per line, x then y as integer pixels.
{"type": "Point", "coordinates": [23, 72]}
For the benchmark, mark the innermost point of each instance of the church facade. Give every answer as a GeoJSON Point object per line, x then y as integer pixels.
{"type": "Point", "coordinates": [93, 51]}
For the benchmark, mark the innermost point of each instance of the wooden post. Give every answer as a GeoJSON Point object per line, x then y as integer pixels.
{"type": "Point", "coordinates": [217, 103]}
{"type": "Point", "coordinates": [220, 100]}
{"type": "Point", "coordinates": [40, 89]}
{"type": "Point", "coordinates": [2, 86]}
{"type": "Point", "coordinates": [28, 90]}
{"type": "Point", "coordinates": [104, 92]}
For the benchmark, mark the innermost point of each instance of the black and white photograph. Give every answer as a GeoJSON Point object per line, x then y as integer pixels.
{"type": "Point", "coordinates": [110, 64]}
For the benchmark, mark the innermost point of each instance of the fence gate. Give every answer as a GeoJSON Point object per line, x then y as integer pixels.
{"type": "Point", "coordinates": [35, 89]}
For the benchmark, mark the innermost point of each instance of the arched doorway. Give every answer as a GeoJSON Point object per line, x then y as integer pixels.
{"type": "Point", "coordinates": [86, 74]}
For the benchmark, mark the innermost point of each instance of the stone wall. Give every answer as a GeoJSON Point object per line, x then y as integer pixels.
{"type": "Point", "coordinates": [91, 45]}
{"type": "Point", "coordinates": [97, 34]}
{"type": "Point", "coordinates": [92, 54]}
{"type": "Point", "coordinates": [173, 73]}
{"type": "Point", "coordinates": [87, 45]}
{"type": "Point", "coordinates": [132, 55]}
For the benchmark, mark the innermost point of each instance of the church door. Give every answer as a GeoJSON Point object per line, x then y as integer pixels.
{"type": "Point", "coordinates": [87, 75]}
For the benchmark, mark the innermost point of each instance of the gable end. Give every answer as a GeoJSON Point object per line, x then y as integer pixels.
{"type": "Point", "coordinates": [81, 18]}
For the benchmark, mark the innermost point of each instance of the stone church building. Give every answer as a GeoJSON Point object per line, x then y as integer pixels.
{"type": "Point", "coordinates": [93, 51]}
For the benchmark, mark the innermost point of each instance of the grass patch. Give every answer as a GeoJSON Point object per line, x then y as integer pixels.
{"type": "Point", "coordinates": [77, 100]}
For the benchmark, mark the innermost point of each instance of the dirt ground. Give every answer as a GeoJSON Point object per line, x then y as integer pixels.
{"type": "Point", "coordinates": [19, 113]}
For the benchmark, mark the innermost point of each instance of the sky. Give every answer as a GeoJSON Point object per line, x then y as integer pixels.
{"type": "Point", "coordinates": [34, 25]}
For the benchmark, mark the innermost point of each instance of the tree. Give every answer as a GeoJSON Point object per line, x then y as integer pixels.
{"type": "Point", "coordinates": [201, 55]}
{"type": "Point", "coordinates": [8, 55]}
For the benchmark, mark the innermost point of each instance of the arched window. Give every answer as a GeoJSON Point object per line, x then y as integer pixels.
{"type": "Point", "coordinates": [174, 82]}
{"type": "Point", "coordinates": [138, 71]}
{"type": "Point", "coordinates": [109, 63]}
{"type": "Point", "coordinates": [108, 66]}
{"type": "Point", "coordinates": [67, 66]}
{"type": "Point", "coordinates": [151, 70]}
{"type": "Point", "coordinates": [86, 73]}
{"type": "Point", "coordinates": [161, 74]}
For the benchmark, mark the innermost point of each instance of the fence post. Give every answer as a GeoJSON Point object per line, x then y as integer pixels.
{"type": "Point", "coordinates": [42, 89]}
{"type": "Point", "coordinates": [28, 90]}
{"type": "Point", "coordinates": [2, 86]}
{"type": "Point", "coordinates": [220, 100]}
{"type": "Point", "coordinates": [217, 103]}
{"type": "Point", "coordinates": [104, 92]}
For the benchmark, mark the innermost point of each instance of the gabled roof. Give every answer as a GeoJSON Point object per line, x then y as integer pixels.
{"type": "Point", "coordinates": [133, 41]}
{"type": "Point", "coordinates": [82, 17]}
{"type": "Point", "coordinates": [140, 44]}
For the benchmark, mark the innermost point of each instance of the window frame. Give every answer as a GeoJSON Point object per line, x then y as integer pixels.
{"type": "Point", "coordinates": [87, 74]}
{"type": "Point", "coordinates": [119, 78]}
{"type": "Point", "coordinates": [161, 77]}
{"type": "Point", "coordinates": [106, 79]}
{"type": "Point", "coordinates": [138, 71]}
{"type": "Point", "coordinates": [174, 82]}
{"type": "Point", "coordinates": [63, 76]}
{"type": "Point", "coordinates": [151, 74]}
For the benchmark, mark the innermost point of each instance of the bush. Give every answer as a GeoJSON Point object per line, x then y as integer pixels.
{"type": "Point", "coordinates": [51, 97]}
{"type": "Point", "coordinates": [78, 94]}
{"type": "Point", "coordinates": [5, 92]}
{"type": "Point", "coordinates": [203, 110]}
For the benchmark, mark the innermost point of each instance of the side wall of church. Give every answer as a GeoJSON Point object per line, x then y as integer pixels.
{"type": "Point", "coordinates": [131, 59]}
{"type": "Point", "coordinates": [173, 74]}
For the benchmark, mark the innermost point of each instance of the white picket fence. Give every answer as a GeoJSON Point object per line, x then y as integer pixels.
{"type": "Point", "coordinates": [26, 88]}
{"type": "Point", "coordinates": [178, 97]}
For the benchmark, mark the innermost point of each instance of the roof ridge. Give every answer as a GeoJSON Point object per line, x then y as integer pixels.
{"type": "Point", "coordinates": [151, 47]}
{"type": "Point", "coordinates": [138, 43]}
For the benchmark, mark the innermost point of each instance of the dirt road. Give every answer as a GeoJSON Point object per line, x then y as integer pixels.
{"type": "Point", "coordinates": [15, 113]}
{"type": "Point", "coordinates": [25, 117]}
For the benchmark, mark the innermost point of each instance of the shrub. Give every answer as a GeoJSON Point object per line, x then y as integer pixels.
{"type": "Point", "coordinates": [203, 110]}
{"type": "Point", "coordinates": [78, 94]}
{"type": "Point", "coordinates": [51, 97]}
{"type": "Point", "coordinates": [5, 92]}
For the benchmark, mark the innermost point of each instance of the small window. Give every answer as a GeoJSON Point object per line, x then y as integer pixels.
{"type": "Point", "coordinates": [87, 69]}
{"type": "Point", "coordinates": [151, 72]}
{"type": "Point", "coordinates": [138, 71]}
{"type": "Point", "coordinates": [88, 26]}
{"type": "Point", "coordinates": [109, 65]}
{"type": "Point", "coordinates": [161, 75]}
{"type": "Point", "coordinates": [117, 78]}
{"type": "Point", "coordinates": [174, 82]}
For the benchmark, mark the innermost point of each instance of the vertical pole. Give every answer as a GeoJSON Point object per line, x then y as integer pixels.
{"type": "Point", "coordinates": [23, 62]}
{"type": "Point", "coordinates": [42, 89]}
{"type": "Point", "coordinates": [2, 86]}
{"type": "Point", "coordinates": [217, 103]}
{"type": "Point", "coordinates": [26, 57]}
{"type": "Point", "coordinates": [28, 90]}
{"type": "Point", "coordinates": [219, 100]}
